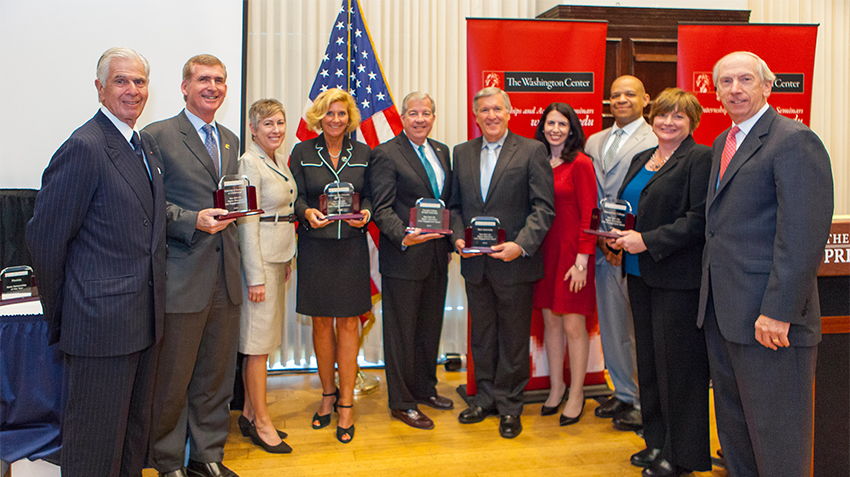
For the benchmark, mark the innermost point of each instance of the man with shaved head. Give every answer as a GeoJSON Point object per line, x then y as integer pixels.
{"type": "Point", "coordinates": [612, 151]}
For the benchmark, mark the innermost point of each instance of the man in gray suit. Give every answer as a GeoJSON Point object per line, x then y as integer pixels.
{"type": "Point", "coordinates": [414, 266]}
{"type": "Point", "coordinates": [195, 376]}
{"type": "Point", "coordinates": [612, 151]}
{"type": "Point", "coordinates": [768, 213]}
{"type": "Point", "coordinates": [505, 176]}
{"type": "Point", "coordinates": [97, 239]}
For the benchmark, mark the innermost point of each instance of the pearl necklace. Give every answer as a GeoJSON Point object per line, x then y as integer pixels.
{"type": "Point", "coordinates": [655, 163]}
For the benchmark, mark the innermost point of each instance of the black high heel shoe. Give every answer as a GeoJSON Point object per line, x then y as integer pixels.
{"type": "Point", "coordinates": [349, 431]}
{"type": "Point", "coordinates": [548, 411]}
{"type": "Point", "coordinates": [566, 420]}
{"type": "Point", "coordinates": [324, 421]}
{"type": "Point", "coordinates": [245, 427]}
{"type": "Point", "coordinates": [282, 448]}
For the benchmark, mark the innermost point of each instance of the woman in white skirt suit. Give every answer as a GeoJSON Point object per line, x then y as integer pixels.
{"type": "Point", "coordinates": [268, 245]}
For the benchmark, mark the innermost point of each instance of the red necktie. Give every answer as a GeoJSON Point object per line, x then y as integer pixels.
{"type": "Point", "coordinates": [728, 150]}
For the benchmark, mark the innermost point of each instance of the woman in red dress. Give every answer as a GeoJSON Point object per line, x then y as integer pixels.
{"type": "Point", "coordinates": [567, 293]}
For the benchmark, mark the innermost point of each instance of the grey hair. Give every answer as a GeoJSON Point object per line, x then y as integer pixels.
{"type": "Point", "coordinates": [416, 96]}
{"type": "Point", "coordinates": [119, 52]}
{"type": "Point", "coordinates": [764, 71]}
{"type": "Point", "coordinates": [490, 92]}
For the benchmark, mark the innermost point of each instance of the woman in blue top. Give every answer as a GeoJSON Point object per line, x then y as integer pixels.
{"type": "Point", "coordinates": [667, 186]}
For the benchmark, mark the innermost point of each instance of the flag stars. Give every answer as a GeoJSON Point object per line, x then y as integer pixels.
{"type": "Point", "coordinates": [361, 68]}
{"type": "Point", "coordinates": [365, 104]}
{"type": "Point", "coordinates": [358, 33]}
{"type": "Point", "coordinates": [338, 73]}
{"type": "Point", "coordinates": [340, 26]}
{"type": "Point", "coordinates": [358, 83]}
{"type": "Point", "coordinates": [372, 76]}
{"type": "Point", "coordinates": [369, 89]}
{"type": "Point", "coordinates": [325, 58]}
{"type": "Point", "coordinates": [365, 55]}
{"type": "Point", "coordinates": [380, 96]}
{"type": "Point", "coordinates": [323, 88]}
{"type": "Point", "coordinates": [352, 76]}
{"type": "Point", "coordinates": [339, 57]}
{"type": "Point", "coordinates": [324, 73]}
{"type": "Point", "coordinates": [340, 41]}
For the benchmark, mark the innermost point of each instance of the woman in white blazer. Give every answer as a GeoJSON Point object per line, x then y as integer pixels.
{"type": "Point", "coordinates": [268, 245]}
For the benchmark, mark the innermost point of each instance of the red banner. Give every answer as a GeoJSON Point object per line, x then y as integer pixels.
{"type": "Point", "coordinates": [789, 51]}
{"type": "Point", "coordinates": [538, 62]}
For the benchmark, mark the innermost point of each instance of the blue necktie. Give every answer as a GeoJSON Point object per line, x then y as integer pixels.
{"type": "Point", "coordinates": [487, 168]}
{"type": "Point", "coordinates": [212, 147]}
{"type": "Point", "coordinates": [432, 176]}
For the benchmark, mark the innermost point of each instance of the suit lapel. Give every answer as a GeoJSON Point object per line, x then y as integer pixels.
{"type": "Point", "coordinates": [193, 142]}
{"type": "Point", "coordinates": [475, 159]}
{"type": "Point", "coordinates": [127, 163]}
{"type": "Point", "coordinates": [228, 152]}
{"type": "Point", "coordinates": [748, 148]}
{"type": "Point", "coordinates": [505, 157]}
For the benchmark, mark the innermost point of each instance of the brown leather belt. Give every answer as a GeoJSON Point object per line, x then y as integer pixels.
{"type": "Point", "coordinates": [280, 218]}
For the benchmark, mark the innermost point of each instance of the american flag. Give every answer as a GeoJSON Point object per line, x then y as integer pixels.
{"type": "Point", "coordinates": [350, 63]}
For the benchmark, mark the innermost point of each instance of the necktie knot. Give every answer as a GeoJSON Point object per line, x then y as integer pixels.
{"type": "Point", "coordinates": [136, 141]}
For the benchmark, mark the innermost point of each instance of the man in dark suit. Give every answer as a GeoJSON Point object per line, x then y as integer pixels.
{"type": "Point", "coordinates": [195, 377]}
{"type": "Point", "coordinates": [612, 150]}
{"type": "Point", "coordinates": [97, 239]}
{"type": "Point", "coordinates": [505, 176]}
{"type": "Point", "coordinates": [414, 266]}
{"type": "Point", "coordinates": [768, 213]}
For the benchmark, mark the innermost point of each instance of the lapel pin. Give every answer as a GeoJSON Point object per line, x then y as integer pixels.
{"type": "Point", "coordinates": [227, 146]}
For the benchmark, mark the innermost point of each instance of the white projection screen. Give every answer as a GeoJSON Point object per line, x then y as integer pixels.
{"type": "Point", "coordinates": [48, 56]}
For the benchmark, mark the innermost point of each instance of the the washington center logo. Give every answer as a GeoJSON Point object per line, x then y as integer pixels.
{"type": "Point", "coordinates": [702, 82]}
{"type": "Point", "coordinates": [494, 79]}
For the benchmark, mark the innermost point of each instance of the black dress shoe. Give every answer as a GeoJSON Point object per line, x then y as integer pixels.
{"type": "Point", "coordinates": [245, 427]}
{"type": "Point", "coordinates": [645, 458]}
{"type": "Point", "coordinates": [629, 421]}
{"type": "Point", "coordinates": [474, 414]}
{"type": "Point", "coordinates": [510, 426]}
{"type": "Point", "coordinates": [209, 469]}
{"type": "Point", "coordinates": [281, 448]}
{"type": "Point", "coordinates": [438, 402]}
{"type": "Point", "coordinates": [567, 421]}
{"type": "Point", "coordinates": [662, 468]}
{"type": "Point", "coordinates": [174, 473]}
{"type": "Point", "coordinates": [413, 418]}
{"type": "Point", "coordinates": [611, 408]}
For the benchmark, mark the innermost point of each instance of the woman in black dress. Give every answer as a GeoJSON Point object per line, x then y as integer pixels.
{"type": "Point", "coordinates": [333, 256]}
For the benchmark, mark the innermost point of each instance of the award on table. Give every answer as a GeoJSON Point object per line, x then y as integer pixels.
{"type": "Point", "coordinates": [17, 283]}
{"type": "Point", "coordinates": [237, 196]}
{"type": "Point", "coordinates": [340, 202]}
{"type": "Point", "coordinates": [431, 216]}
{"type": "Point", "coordinates": [482, 234]}
{"type": "Point", "coordinates": [611, 214]}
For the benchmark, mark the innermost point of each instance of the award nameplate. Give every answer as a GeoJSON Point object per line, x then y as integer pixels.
{"type": "Point", "coordinates": [340, 202]}
{"type": "Point", "coordinates": [17, 283]}
{"type": "Point", "coordinates": [237, 196]}
{"type": "Point", "coordinates": [611, 214]}
{"type": "Point", "coordinates": [430, 215]}
{"type": "Point", "coordinates": [482, 234]}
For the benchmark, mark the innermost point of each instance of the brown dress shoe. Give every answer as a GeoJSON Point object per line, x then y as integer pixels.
{"type": "Point", "coordinates": [438, 402]}
{"type": "Point", "coordinates": [413, 418]}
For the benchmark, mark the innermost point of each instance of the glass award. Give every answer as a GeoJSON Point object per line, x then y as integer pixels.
{"type": "Point", "coordinates": [430, 215]}
{"type": "Point", "coordinates": [237, 196]}
{"type": "Point", "coordinates": [482, 234]}
{"type": "Point", "coordinates": [611, 214]}
{"type": "Point", "coordinates": [17, 283]}
{"type": "Point", "coordinates": [340, 202]}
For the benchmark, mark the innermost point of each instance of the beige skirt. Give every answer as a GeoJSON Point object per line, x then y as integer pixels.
{"type": "Point", "coordinates": [261, 328]}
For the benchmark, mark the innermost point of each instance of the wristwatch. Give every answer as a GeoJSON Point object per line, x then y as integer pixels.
{"type": "Point", "coordinates": [580, 268]}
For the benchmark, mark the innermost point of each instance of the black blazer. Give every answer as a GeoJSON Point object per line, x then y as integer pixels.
{"type": "Point", "coordinates": [670, 216]}
{"type": "Point", "coordinates": [97, 239]}
{"type": "Point", "coordinates": [521, 196]}
{"type": "Point", "coordinates": [398, 180]}
{"type": "Point", "coordinates": [312, 169]}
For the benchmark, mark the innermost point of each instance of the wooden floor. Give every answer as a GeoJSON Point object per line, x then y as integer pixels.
{"type": "Point", "coordinates": [386, 447]}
